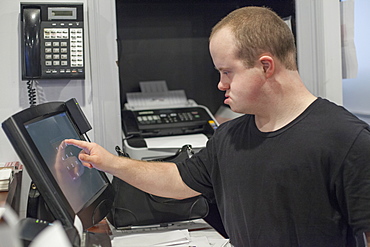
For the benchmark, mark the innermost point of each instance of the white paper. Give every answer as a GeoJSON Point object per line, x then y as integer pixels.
{"type": "Point", "coordinates": [168, 238]}
{"type": "Point", "coordinates": [196, 242]}
{"type": "Point", "coordinates": [9, 227]}
{"type": "Point", "coordinates": [152, 239]}
{"type": "Point", "coordinates": [78, 225]}
{"type": "Point", "coordinates": [53, 235]}
{"type": "Point", "coordinates": [150, 100]}
{"type": "Point", "coordinates": [5, 173]}
{"type": "Point", "coordinates": [9, 237]}
{"type": "Point", "coordinates": [9, 216]}
{"type": "Point", "coordinates": [153, 86]}
{"type": "Point", "coordinates": [194, 238]}
{"type": "Point", "coordinates": [219, 242]}
{"type": "Point", "coordinates": [195, 140]}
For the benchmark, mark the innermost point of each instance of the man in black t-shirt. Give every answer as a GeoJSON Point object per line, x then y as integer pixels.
{"type": "Point", "coordinates": [293, 171]}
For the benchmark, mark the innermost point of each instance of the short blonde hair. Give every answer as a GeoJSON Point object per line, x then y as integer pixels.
{"type": "Point", "coordinates": [259, 30]}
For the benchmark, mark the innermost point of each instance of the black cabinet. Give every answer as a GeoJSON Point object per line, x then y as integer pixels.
{"type": "Point", "coordinates": [168, 40]}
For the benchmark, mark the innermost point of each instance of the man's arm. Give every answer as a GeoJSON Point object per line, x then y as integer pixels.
{"type": "Point", "coordinates": [158, 178]}
{"type": "Point", "coordinates": [367, 235]}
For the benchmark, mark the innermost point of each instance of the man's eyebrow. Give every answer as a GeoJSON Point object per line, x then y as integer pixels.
{"type": "Point", "coordinates": [220, 69]}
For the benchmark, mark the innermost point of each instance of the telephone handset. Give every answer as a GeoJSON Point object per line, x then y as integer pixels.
{"type": "Point", "coordinates": [31, 27]}
{"type": "Point", "coordinates": [52, 41]}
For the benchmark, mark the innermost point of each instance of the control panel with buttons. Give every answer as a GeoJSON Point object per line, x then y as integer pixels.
{"type": "Point", "coordinates": [166, 122]}
{"type": "Point", "coordinates": [62, 55]}
{"type": "Point", "coordinates": [151, 117]}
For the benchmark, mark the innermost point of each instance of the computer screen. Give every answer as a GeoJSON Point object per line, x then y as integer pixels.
{"type": "Point", "coordinates": [48, 134]}
{"type": "Point", "coordinates": [68, 188]}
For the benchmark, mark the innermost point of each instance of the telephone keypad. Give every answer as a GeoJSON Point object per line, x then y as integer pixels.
{"type": "Point", "coordinates": [63, 52]}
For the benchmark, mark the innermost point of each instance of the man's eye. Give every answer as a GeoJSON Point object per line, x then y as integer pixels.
{"type": "Point", "coordinates": [225, 72]}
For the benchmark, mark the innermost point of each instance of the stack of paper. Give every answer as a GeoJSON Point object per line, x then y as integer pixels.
{"type": "Point", "coordinates": [6, 177]}
{"type": "Point", "coordinates": [155, 94]}
{"type": "Point", "coordinates": [178, 238]}
{"type": "Point", "coordinates": [153, 239]}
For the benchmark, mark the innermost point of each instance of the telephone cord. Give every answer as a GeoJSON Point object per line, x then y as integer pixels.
{"type": "Point", "coordinates": [31, 93]}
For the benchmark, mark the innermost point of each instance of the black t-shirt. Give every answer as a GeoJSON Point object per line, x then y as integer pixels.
{"type": "Point", "coordinates": [302, 185]}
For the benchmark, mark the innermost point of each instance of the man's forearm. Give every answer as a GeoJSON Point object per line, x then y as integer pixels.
{"type": "Point", "coordinates": [158, 178]}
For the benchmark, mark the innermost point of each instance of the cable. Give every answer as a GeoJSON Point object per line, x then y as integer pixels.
{"type": "Point", "coordinates": [121, 153]}
{"type": "Point", "coordinates": [87, 137]}
{"type": "Point", "coordinates": [31, 93]}
{"type": "Point", "coordinates": [128, 137]}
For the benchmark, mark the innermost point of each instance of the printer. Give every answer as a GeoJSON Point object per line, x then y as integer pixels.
{"type": "Point", "coordinates": [157, 122]}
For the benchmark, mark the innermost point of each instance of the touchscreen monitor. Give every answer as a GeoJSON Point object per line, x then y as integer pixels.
{"type": "Point", "coordinates": [68, 188]}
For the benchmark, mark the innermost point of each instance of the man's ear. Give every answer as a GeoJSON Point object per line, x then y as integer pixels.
{"type": "Point", "coordinates": [268, 65]}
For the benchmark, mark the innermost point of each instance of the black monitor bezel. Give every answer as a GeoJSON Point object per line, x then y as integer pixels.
{"type": "Point", "coordinates": [15, 129]}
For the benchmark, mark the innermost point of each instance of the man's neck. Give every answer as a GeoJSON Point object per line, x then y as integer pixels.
{"type": "Point", "coordinates": [284, 110]}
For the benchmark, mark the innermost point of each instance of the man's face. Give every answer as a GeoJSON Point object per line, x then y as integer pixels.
{"type": "Point", "coordinates": [242, 86]}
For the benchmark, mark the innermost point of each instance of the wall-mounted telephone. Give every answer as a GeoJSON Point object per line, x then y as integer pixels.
{"type": "Point", "coordinates": [52, 41]}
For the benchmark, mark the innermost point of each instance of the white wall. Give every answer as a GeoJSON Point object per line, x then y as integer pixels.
{"type": "Point", "coordinates": [319, 47]}
{"type": "Point", "coordinates": [98, 94]}
{"type": "Point", "coordinates": [356, 92]}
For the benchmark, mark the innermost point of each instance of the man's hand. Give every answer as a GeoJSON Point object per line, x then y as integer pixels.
{"type": "Point", "coordinates": [367, 236]}
{"type": "Point", "coordinates": [93, 155]}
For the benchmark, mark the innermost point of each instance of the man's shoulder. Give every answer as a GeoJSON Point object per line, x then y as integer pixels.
{"type": "Point", "coordinates": [333, 111]}
{"type": "Point", "coordinates": [327, 113]}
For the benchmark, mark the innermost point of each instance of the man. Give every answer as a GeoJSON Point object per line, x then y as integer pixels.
{"type": "Point", "coordinates": [293, 171]}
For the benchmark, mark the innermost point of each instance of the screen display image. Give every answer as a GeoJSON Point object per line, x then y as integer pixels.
{"type": "Point", "coordinates": [77, 182]}
{"type": "Point", "coordinates": [62, 13]}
